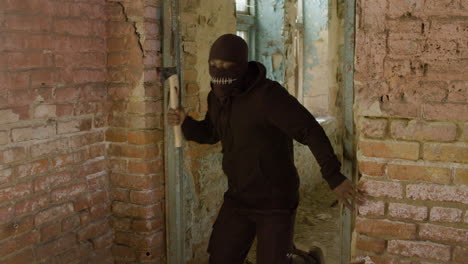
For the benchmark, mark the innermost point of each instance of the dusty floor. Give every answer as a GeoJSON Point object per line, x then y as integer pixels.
{"type": "Point", "coordinates": [317, 223]}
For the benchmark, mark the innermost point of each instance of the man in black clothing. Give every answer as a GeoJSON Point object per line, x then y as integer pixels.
{"type": "Point", "coordinates": [256, 120]}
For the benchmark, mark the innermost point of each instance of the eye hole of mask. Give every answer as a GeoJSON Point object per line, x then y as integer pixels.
{"type": "Point", "coordinates": [221, 64]}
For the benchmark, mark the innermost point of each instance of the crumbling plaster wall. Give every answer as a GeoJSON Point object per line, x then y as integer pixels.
{"type": "Point", "coordinates": [411, 108]}
{"type": "Point", "coordinates": [205, 183]}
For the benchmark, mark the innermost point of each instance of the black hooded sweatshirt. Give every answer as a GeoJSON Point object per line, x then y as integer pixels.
{"type": "Point", "coordinates": [256, 129]}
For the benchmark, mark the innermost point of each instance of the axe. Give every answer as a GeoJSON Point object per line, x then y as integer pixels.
{"type": "Point", "coordinates": [170, 73]}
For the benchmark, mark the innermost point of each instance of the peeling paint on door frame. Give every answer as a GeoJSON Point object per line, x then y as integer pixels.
{"type": "Point", "coordinates": [349, 140]}
{"type": "Point", "coordinates": [175, 220]}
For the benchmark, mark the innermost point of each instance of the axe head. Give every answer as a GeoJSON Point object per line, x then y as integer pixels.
{"type": "Point", "coordinates": [167, 72]}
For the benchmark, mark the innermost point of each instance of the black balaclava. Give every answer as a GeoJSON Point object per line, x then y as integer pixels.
{"type": "Point", "coordinates": [227, 82]}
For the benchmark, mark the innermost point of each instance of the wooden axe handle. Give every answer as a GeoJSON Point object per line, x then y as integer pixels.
{"type": "Point", "coordinates": [174, 104]}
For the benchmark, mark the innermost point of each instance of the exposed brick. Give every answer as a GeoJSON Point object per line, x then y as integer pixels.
{"type": "Point", "coordinates": [119, 194]}
{"type": "Point", "coordinates": [33, 168]}
{"type": "Point", "coordinates": [398, 8]}
{"type": "Point", "coordinates": [370, 244]}
{"type": "Point", "coordinates": [6, 213]}
{"type": "Point", "coordinates": [136, 211]}
{"type": "Point", "coordinates": [27, 23]}
{"type": "Point", "coordinates": [132, 151]}
{"type": "Point", "coordinates": [45, 111]}
{"type": "Point", "coordinates": [115, 135]}
{"type": "Point", "coordinates": [16, 227]}
{"type": "Point", "coordinates": [8, 116]}
{"type": "Point", "coordinates": [18, 243]}
{"type": "Point", "coordinates": [100, 211]}
{"type": "Point", "coordinates": [372, 208]}
{"type": "Point", "coordinates": [53, 213]}
{"type": "Point", "coordinates": [374, 128]}
{"type": "Point", "coordinates": [390, 149]}
{"type": "Point", "coordinates": [86, 139]}
{"type": "Point", "coordinates": [370, 168]}
{"type": "Point", "coordinates": [407, 211]}
{"type": "Point", "coordinates": [63, 160]}
{"type": "Point", "coordinates": [441, 193]}
{"type": "Point", "coordinates": [385, 228]}
{"type": "Point", "coordinates": [442, 214]}
{"type": "Point", "coordinates": [419, 173]}
{"type": "Point", "coordinates": [458, 91]}
{"type": "Point", "coordinates": [417, 130]}
{"type": "Point", "coordinates": [51, 231]}
{"type": "Point", "coordinates": [29, 133]}
{"type": "Point", "coordinates": [445, 152]}
{"type": "Point", "coordinates": [135, 181]}
{"type": "Point", "coordinates": [68, 192]}
{"type": "Point", "coordinates": [51, 181]}
{"type": "Point", "coordinates": [147, 196]}
{"type": "Point", "coordinates": [121, 224]}
{"type": "Point", "coordinates": [5, 176]}
{"type": "Point", "coordinates": [30, 61]}
{"type": "Point", "coordinates": [123, 253]}
{"type": "Point", "coordinates": [85, 217]}
{"type": "Point", "coordinates": [24, 257]}
{"type": "Point", "coordinates": [138, 240]}
{"type": "Point", "coordinates": [12, 155]}
{"type": "Point", "coordinates": [148, 225]}
{"type": "Point", "coordinates": [381, 188]}
{"type": "Point", "coordinates": [14, 192]}
{"type": "Point", "coordinates": [31, 204]}
{"type": "Point", "coordinates": [460, 255]}
{"type": "Point", "coordinates": [94, 230]}
{"type": "Point", "coordinates": [445, 111]}
{"type": "Point", "coordinates": [74, 126]}
{"type": "Point", "coordinates": [56, 247]}
{"type": "Point", "coordinates": [443, 234]}
{"type": "Point", "coordinates": [145, 137]}
{"type": "Point", "coordinates": [419, 249]}
{"type": "Point", "coordinates": [145, 167]}
{"type": "Point", "coordinates": [3, 137]}
{"type": "Point", "coordinates": [464, 136]}
{"type": "Point", "coordinates": [461, 176]}
{"type": "Point", "coordinates": [431, 91]}
{"type": "Point", "coordinates": [103, 241]}
{"type": "Point", "coordinates": [70, 223]}
{"type": "Point", "coordinates": [51, 147]}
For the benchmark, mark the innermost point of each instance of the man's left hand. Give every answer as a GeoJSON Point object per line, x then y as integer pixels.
{"type": "Point", "coordinates": [348, 194]}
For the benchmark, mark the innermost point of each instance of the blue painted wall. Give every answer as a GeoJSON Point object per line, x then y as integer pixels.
{"type": "Point", "coordinates": [315, 21]}
{"type": "Point", "coordinates": [269, 36]}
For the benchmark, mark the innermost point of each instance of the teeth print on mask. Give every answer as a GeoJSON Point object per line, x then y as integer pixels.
{"type": "Point", "coordinates": [222, 81]}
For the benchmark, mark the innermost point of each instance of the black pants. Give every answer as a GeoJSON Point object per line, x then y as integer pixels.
{"type": "Point", "coordinates": [235, 229]}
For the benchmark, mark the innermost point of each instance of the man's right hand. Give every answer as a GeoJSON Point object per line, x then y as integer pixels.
{"type": "Point", "coordinates": [176, 117]}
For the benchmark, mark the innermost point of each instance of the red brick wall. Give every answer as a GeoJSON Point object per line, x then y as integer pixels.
{"type": "Point", "coordinates": [412, 104]}
{"type": "Point", "coordinates": [54, 205]}
{"type": "Point", "coordinates": [135, 132]}
{"type": "Point", "coordinates": [80, 132]}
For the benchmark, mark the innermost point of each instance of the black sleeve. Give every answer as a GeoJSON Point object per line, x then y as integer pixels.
{"type": "Point", "coordinates": [286, 113]}
{"type": "Point", "coordinates": [202, 132]}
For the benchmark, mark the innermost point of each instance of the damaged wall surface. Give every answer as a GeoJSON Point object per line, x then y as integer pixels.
{"type": "Point", "coordinates": [54, 187]}
{"type": "Point", "coordinates": [411, 110]}
{"type": "Point", "coordinates": [81, 172]}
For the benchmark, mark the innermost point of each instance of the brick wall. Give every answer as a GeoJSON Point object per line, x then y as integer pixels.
{"type": "Point", "coordinates": [135, 132]}
{"type": "Point", "coordinates": [54, 205]}
{"type": "Point", "coordinates": [81, 172]}
{"type": "Point", "coordinates": [411, 105]}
